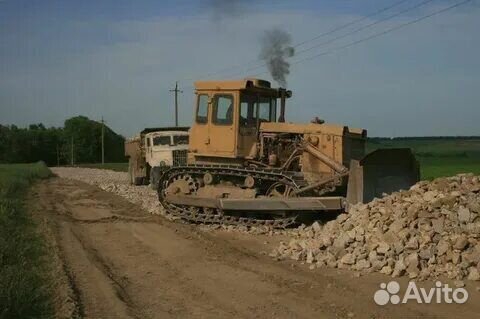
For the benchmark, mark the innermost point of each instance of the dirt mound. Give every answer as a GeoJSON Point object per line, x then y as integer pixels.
{"type": "Point", "coordinates": [430, 230]}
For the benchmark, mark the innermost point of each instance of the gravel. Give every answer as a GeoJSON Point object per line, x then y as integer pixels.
{"type": "Point", "coordinates": [115, 182]}
{"type": "Point", "coordinates": [431, 230]}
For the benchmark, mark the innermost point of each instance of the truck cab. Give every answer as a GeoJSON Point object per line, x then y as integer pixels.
{"type": "Point", "coordinates": [166, 148]}
{"type": "Point", "coordinates": [154, 150]}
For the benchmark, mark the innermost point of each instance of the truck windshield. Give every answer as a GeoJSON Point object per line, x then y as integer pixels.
{"type": "Point", "coordinates": [180, 140]}
{"type": "Point", "coordinates": [161, 140]}
{"type": "Point", "coordinates": [252, 107]}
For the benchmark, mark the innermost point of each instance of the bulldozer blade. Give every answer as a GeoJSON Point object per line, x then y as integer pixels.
{"type": "Point", "coordinates": [382, 171]}
{"type": "Point", "coordinates": [262, 204]}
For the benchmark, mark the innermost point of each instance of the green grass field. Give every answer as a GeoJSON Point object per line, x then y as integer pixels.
{"type": "Point", "coordinates": [24, 274]}
{"type": "Point", "coordinates": [438, 156]}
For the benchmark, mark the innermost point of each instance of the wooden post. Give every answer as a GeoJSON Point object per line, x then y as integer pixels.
{"type": "Point", "coordinates": [71, 152]}
{"type": "Point", "coordinates": [103, 142]}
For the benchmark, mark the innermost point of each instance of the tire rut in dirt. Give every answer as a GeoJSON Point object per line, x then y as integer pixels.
{"type": "Point", "coordinates": [118, 283]}
{"type": "Point", "coordinates": [79, 311]}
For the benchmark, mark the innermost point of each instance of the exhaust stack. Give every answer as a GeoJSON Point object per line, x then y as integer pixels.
{"type": "Point", "coordinates": [283, 94]}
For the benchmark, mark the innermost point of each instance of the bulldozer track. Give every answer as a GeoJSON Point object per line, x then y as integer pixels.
{"type": "Point", "coordinates": [192, 214]}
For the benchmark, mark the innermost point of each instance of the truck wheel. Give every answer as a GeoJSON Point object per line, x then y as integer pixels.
{"type": "Point", "coordinates": [155, 173]}
{"type": "Point", "coordinates": [138, 181]}
{"type": "Point", "coordinates": [130, 173]}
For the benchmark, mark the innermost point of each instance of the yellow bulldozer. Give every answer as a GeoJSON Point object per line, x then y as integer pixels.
{"type": "Point", "coordinates": [247, 166]}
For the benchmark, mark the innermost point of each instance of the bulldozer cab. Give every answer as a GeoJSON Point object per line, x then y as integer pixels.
{"type": "Point", "coordinates": [228, 115]}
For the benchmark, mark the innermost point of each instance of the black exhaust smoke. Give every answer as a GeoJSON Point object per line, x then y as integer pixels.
{"type": "Point", "coordinates": [276, 49]}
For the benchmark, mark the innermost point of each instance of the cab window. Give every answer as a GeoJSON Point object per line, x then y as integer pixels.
{"type": "Point", "coordinates": [180, 140]}
{"type": "Point", "coordinates": [161, 140]}
{"type": "Point", "coordinates": [254, 107]}
{"type": "Point", "coordinates": [264, 111]}
{"type": "Point", "coordinates": [248, 111]}
{"type": "Point", "coordinates": [223, 110]}
{"type": "Point", "coordinates": [202, 109]}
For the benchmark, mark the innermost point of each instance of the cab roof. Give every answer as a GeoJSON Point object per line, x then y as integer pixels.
{"type": "Point", "coordinates": [167, 133]}
{"type": "Point", "coordinates": [164, 129]}
{"type": "Point", "coordinates": [233, 84]}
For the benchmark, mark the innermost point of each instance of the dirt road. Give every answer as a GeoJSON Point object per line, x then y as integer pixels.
{"type": "Point", "coordinates": [116, 261]}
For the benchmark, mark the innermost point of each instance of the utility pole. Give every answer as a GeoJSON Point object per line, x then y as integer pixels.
{"type": "Point", "coordinates": [71, 152]}
{"type": "Point", "coordinates": [176, 91]}
{"type": "Point", "coordinates": [58, 156]}
{"type": "Point", "coordinates": [103, 141]}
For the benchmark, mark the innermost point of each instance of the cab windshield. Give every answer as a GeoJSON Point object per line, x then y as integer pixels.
{"type": "Point", "coordinates": [180, 140]}
{"type": "Point", "coordinates": [253, 107]}
{"type": "Point", "coordinates": [161, 140]}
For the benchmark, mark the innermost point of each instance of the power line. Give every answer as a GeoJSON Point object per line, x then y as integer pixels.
{"type": "Point", "coordinates": [398, 27]}
{"type": "Point", "coordinates": [351, 23]}
{"type": "Point", "coordinates": [376, 35]}
{"type": "Point", "coordinates": [366, 26]}
{"type": "Point", "coordinates": [395, 28]}
{"type": "Point", "coordinates": [331, 31]}
{"type": "Point", "coordinates": [347, 34]}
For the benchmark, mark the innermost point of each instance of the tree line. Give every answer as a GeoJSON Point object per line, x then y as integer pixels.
{"type": "Point", "coordinates": [78, 141]}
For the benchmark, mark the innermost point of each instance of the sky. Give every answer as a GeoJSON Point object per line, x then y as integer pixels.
{"type": "Point", "coordinates": [119, 59]}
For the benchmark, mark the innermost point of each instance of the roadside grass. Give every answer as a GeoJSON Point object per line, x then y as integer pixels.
{"type": "Point", "coordinates": [24, 274]}
{"type": "Point", "coordinates": [118, 167]}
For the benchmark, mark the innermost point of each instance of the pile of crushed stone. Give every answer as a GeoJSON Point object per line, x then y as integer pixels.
{"type": "Point", "coordinates": [431, 230]}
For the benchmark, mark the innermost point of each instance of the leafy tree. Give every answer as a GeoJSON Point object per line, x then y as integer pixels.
{"type": "Point", "coordinates": [53, 145]}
